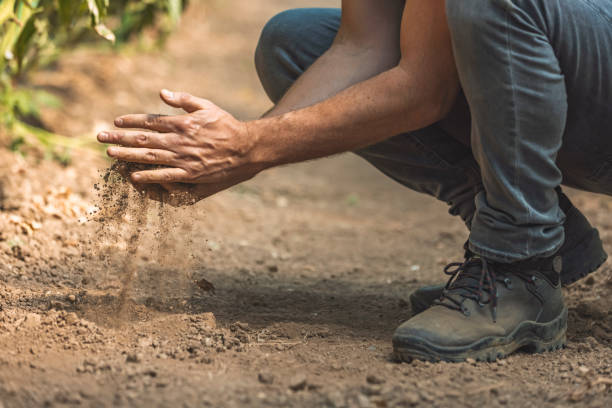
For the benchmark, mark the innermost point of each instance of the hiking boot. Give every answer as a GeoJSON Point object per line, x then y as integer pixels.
{"type": "Point", "coordinates": [487, 311]}
{"type": "Point", "coordinates": [582, 253]}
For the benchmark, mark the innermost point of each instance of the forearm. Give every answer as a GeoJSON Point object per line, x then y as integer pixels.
{"type": "Point", "coordinates": [371, 111]}
{"type": "Point", "coordinates": [342, 66]}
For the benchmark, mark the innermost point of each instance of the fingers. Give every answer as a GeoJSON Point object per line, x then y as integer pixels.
{"type": "Point", "coordinates": [161, 176]}
{"type": "Point", "coordinates": [158, 123]}
{"type": "Point", "coordinates": [144, 156]}
{"type": "Point", "coordinates": [185, 101]}
{"type": "Point", "coordinates": [137, 139]}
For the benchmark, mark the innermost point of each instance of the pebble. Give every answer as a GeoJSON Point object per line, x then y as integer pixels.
{"type": "Point", "coordinates": [374, 379]}
{"type": "Point", "coordinates": [371, 390]}
{"type": "Point", "coordinates": [412, 398]}
{"type": "Point", "coordinates": [71, 298]}
{"type": "Point", "coordinates": [133, 358]}
{"type": "Point", "coordinates": [298, 382]}
{"type": "Point", "coordinates": [363, 401]}
{"type": "Point", "coordinates": [72, 318]}
{"type": "Point", "coordinates": [265, 378]}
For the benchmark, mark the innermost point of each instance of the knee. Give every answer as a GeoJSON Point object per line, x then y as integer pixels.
{"type": "Point", "coordinates": [276, 36]}
{"type": "Point", "coordinates": [471, 14]}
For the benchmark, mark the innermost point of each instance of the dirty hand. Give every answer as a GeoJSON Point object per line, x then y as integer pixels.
{"type": "Point", "coordinates": [199, 154]}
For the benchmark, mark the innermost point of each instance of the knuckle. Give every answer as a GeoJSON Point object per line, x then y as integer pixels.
{"type": "Point", "coordinates": [198, 168]}
{"type": "Point", "coordinates": [192, 126]}
{"type": "Point", "coordinates": [151, 156]}
{"type": "Point", "coordinates": [142, 139]}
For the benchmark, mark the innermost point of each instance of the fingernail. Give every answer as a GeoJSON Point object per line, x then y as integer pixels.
{"type": "Point", "coordinates": [167, 94]}
{"type": "Point", "coordinates": [118, 121]}
{"type": "Point", "coordinates": [135, 178]}
{"type": "Point", "coordinates": [111, 151]}
{"type": "Point", "coordinates": [103, 137]}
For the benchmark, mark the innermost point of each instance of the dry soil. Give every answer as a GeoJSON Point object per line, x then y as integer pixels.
{"type": "Point", "coordinates": [281, 292]}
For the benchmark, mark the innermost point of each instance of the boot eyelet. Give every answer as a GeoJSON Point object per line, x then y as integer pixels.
{"type": "Point", "coordinates": [465, 311]}
{"type": "Point", "coordinates": [508, 283]}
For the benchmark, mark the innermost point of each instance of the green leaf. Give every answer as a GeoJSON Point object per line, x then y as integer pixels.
{"type": "Point", "coordinates": [105, 32]}
{"type": "Point", "coordinates": [175, 8]}
{"type": "Point", "coordinates": [24, 40]}
{"type": "Point", "coordinates": [68, 10]}
{"type": "Point", "coordinates": [7, 8]}
{"type": "Point", "coordinates": [94, 12]}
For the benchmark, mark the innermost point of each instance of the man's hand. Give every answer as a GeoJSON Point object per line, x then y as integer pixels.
{"type": "Point", "coordinates": [203, 152]}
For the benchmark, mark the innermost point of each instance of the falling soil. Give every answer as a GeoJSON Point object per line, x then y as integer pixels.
{"type": "Point", "coordinates": [127, 214]}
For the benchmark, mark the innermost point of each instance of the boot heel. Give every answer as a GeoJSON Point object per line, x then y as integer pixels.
{"type": "Point", "coordinates": [590, 248]}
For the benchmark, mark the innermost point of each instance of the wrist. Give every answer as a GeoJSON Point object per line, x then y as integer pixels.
{"type": "Point", "coordinates": [262, 155]}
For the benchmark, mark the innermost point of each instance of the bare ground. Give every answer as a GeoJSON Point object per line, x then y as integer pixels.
{"type": "Point", "coordinates": [312, 266]}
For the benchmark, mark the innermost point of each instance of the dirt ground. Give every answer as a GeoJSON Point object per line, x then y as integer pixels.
{"type": "Point", "coordinates": [311, 265]}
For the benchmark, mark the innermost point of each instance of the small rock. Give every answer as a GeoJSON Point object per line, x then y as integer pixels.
{"type": "Point", "coordinates": [265, 378]}
{"type": "Point", "coordinates": [71, 298]}
{"type": "Point", "coordinates": [133, 358]}
{"type": "Point", "coordinates": [411, 398]}
{"type": "Point", "coordinates": [272, 268]}
{"type": "Point", "coordinates": [371, 390]}
{"type": "Point", "coordinates": [72, 318]}
{"type": "Point", "coordinates": [470, 361]}
{"type": "Point", "coordinates": [239, 326]}
{"type": "Point", "coordinates": [363, 401]}
{"type": "Point", "coordinates": [336, 399]}
{"type": "Point", "coordinates": [374, 379]}
{"type": "Point", "coordinates": [298, 383]}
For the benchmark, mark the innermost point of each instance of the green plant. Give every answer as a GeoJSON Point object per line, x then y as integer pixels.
{"type": "Point", "coordinates": [34, 32]}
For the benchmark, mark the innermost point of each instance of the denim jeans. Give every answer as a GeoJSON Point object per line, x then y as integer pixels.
{"type": "Point", "coordinates": [537, 76]}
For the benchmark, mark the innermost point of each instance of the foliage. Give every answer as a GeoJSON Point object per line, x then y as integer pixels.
{"type": "Point", "coordinates": [34, 32]}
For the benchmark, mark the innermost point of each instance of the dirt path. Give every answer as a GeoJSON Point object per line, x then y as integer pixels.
{"type": "Point", "coordinates": [312, 266]}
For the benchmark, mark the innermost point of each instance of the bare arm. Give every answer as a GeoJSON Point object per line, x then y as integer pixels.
{"type": "Point", "coordinates": [212, 150]}
{"type": "Point", "coordinates": [368, 43]}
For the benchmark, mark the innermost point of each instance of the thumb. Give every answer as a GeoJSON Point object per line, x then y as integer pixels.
{"type": "Point", "coordinates": [185, 101]}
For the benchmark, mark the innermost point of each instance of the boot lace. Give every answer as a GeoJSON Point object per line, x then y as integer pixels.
{"type": "Point", "coordinates": [477, 279]}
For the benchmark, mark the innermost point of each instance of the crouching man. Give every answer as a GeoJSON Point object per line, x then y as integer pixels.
{"type": "Point", "coordinates": [487, 105]}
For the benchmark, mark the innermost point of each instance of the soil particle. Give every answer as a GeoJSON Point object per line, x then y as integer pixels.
{"type": "Point", "coordinates": [265, 378]}
{"type": "Point", "coordinates": [410, 398]}
{"type": "Point", "coordinates": [374, 379]}
{"type": "Point", "coordinates": [134, 358]}
{"type": "Point", "coordinates": [298, 383]}
{"type": "Point", "coordinates": [371, 390]}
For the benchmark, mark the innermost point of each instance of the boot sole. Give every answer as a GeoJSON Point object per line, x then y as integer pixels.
{"type": "Point", "coordinates": [530, 336]}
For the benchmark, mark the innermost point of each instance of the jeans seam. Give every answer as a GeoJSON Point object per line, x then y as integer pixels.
{"type": "Point", "coordinates": [515, 131]}
{"type": "Point", "coordinates": [500, 256]}
{"type": "Point", "coordinates": [597, 10]}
